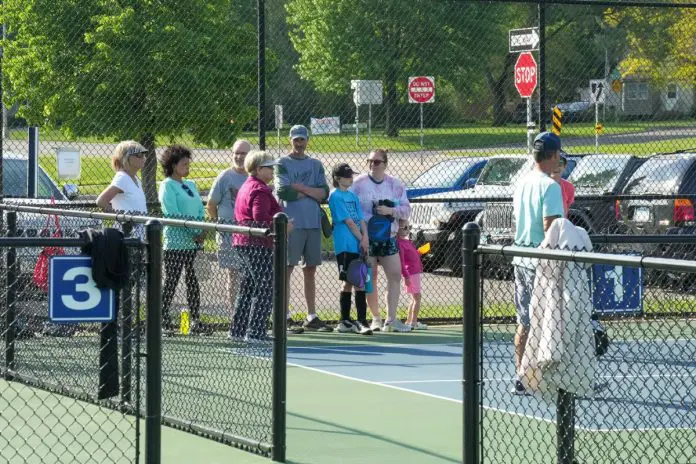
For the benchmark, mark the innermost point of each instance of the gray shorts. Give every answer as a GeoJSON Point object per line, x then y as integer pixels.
{"type": "Point", "coordinates": [305, 244]}
{"type": "Point", "coordinates": [524, 286]}
{"type": "Point", "coordinates": [228, 256]}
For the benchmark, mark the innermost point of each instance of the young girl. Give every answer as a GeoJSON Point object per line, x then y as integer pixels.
{"type": "Point", "coordinates": [411, 269]}
{"type": "Point", "coordinates": [350, 241]}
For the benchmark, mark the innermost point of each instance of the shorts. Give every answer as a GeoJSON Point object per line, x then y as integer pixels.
{"type": "Point", "coordinates": [387, 248]}
{"type": "Point", "coordinates": [412, 284]}
{"type": "Point", "coordinates": [524, 286]}
{"type": "Point", "coordinates": [304, 244]}
{"type": "Point", "coordinates": [228, 255]}
{"type": "Point", "coordinates": [343, 260]}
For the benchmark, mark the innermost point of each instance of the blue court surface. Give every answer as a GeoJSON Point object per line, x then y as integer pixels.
{"type": "Point", "coordinates": [645, 385]}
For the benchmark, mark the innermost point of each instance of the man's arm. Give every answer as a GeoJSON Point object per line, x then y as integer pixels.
{"type": "Point", "coordinates": [317, 193]}
{"type": "Point", "coordinates": [284, 189]}
{"type": "Point", "coordinates": [553, 204]}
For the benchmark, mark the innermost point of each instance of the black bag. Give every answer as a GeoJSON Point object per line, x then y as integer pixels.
{"type": "Point", "coordinates": [600, 337]}
{"type": "Point", "coordinates": [326, 226]}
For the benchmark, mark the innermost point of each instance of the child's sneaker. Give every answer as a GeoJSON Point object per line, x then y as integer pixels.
{"type": "Point", "coordinates": [396, 326]}
{"type": "Point", "coordinates": [363, 328]}
{"type": "Point", "coordinates": [376, 325]}
{"type": "Point", "coordinates": [419, 326]}
{"type": "Point", "coordinates": [346, 326]}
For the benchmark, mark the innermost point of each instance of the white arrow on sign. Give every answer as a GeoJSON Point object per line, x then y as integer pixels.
{"type": "Point", "coordinates": [523, 40]}
{"type": "Point", "coordinates": [597, 90]}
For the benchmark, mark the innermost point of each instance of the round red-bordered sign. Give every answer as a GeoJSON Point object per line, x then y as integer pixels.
{"type": "Point", "coordinates": [421, 89]}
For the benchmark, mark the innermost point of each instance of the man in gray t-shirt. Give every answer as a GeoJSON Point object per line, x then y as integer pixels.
{"type": "Point", "coordinates": [301, 186]}
{"type": "Point", "coordinates": [220, 208]}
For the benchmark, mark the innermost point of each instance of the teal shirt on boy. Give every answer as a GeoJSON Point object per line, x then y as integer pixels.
{"type": "Point", "coordinates": [180, 200]}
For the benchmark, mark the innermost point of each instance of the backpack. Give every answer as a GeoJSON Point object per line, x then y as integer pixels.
{"type": "Point", "coordinates": [379, 228]}
{"type": "Point", "coordinates": [356, 274]}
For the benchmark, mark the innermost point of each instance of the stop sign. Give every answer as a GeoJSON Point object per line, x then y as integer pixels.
{"type": "Point", "coordinates": [525, 74]}
{"type": "Point", "coordinates": [421, 89]}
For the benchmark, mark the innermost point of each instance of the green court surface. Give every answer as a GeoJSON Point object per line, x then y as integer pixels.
{"type": "Point", "coordinates": [353, 399]}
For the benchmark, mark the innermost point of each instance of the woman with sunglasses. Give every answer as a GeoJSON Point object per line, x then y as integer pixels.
{"type": "Point", "coordinates": [383, 195]}
{"type": "Point", "coordinates": [180, 200]}
{"type": "Point", "coordinates": [125, 193]}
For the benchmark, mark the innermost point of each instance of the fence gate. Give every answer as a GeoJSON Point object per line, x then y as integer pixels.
{"type": "Point", "coordinates": [70, 392]}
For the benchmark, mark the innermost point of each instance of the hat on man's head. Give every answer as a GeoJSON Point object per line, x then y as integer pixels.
{"type": "Point", "coordinates": [299, 132]}
{"type": "Point", "coordinates": [547, 141]}
{"type": "Point", "coordinates": [342, 170]}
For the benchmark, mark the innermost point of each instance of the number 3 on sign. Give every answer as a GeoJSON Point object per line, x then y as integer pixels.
{"type": "Point", "coordinates": [73, 296]}
{"type": "Point", "coordinates": [89, 288]}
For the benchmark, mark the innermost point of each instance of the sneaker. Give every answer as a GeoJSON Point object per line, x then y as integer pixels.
{"type": "Point", "coordinates": [363, 328]}
{"type": "Point", "coordinates": [419, 326]}
{"type": "Point", "coordinates": [376, 325]}
{"type": "Point", "coordinates": [257, 341]}
{"type": "Point", "coordinates": [293, 327]}
{"type": "Point", "coordinates": [347, 326]}
{"type": "Point", "coordinates": [518, 389]}
{"type": "Point", "coordinates": [396, 326]}
{"type": "Point", "coordinates": [316, 325]}
{"type": "Point", "coordinates": [234, 338]}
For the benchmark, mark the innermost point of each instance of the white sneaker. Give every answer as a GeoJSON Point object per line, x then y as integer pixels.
{"type": "Point", "coordinates": [376, 325]}
{"type": "Point", "coordinates": [396, 326]}
{"type": "Point", "coordinates": [419, 326]}
{"type": "Point", "coordinates": [347, 327]}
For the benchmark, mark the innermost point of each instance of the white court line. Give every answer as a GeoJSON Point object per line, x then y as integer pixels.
{"type": "Point", "coordinates": [371, 345]}
{"type": "Point", "coordinates": [394, 382]}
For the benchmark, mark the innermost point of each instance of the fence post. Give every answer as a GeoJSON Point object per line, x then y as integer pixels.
{"type": "Point", "coordinates": [127, 332]}
{"type": "Point", "coordinates": [565, 427]}
{"type": "Point", "coordinates": [153, 376]}
{"type": "Point", "coordinates": [280, 309]}
{"type": "Point", "coordinates": [471, 338]}
{"type": "Point", "coordinates": [11, 295]}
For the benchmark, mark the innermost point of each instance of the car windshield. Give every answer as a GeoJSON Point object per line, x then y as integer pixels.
{"type": "Point", "coordinates": [658, 175]}
{"type": "Point", "coordinates": [500, 171]}
{"type": "Point", "coordinates": [445, 174]}
{"type": "Point", "coordinates": [598, 172]}
{"type": "Point", "coordinates": [15, 181]}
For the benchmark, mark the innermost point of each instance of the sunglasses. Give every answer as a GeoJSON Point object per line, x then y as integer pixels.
{"type": "Point", "coordinates": [140, 155]}
{"type": "Point", "coordinates": [187, 190]}
{"type": "Point", "coordinates": [375, 162]}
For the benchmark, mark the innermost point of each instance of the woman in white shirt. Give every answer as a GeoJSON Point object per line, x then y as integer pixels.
{"type": "Point", "coordinates": [125, 194]}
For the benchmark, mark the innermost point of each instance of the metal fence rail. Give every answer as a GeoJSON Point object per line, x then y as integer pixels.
{"type": "Point", "coordinates": [631, 402]}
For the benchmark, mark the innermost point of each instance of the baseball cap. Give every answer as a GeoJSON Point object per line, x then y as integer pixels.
{"type": "Point", "coordinates": [342, 170]}
{"type": "Point", "coordinates": [547, 141]}
{"type": "Point", "coordinates": [299, 132]}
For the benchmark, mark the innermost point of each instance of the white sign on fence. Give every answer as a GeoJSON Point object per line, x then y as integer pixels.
{"type": "Point", "coordinates": [69, 163]}
{"type": "Point", "coordinates": [329, 125]}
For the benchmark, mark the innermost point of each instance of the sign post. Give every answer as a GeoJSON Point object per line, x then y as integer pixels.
{"type": "Point", "coordinates": [421, 89]}
{"type": "Point", "coordinates": [278, 121]}
{"type": "Point", "coordinates": [525, 83]}
{"type": "Point", "coordinates": [597, 96]}
{"type": "Point", "coordinates": [365, 92]}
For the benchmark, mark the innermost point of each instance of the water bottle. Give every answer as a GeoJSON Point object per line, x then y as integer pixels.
{"type": "Point", "coordinates": [185, 325]}
{"type": "Point", "coordinates": [368, 279]}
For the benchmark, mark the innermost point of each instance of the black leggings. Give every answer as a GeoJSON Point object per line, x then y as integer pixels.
{"type": "Point", "coordinates": [174, 262]}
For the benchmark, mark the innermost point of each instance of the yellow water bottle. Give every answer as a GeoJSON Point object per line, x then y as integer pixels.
{"type": "Point", "coordinates": [185, 325]}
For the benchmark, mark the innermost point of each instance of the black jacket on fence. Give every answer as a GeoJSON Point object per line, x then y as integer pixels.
{"type": "Point", "coordinates": [110, 264]}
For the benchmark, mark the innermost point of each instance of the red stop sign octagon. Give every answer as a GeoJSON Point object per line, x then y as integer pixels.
{"type": "Point", "coordinates": [421, 89]}
{"type": "Point", "coordinates": [525, 75]}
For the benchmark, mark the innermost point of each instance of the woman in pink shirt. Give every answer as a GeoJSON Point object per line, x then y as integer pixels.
{"type": "Point", "coordinates": [383, 196]}
{"type": "Point", "coordinates": [255, 206]}
{"type": "Point", "coordinates": [567, 188]}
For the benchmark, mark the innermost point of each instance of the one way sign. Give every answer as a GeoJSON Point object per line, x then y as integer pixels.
{"type": "Point", "coordinates": [598, 90]}
{"type": "Point", "coordinates": [524, 40]}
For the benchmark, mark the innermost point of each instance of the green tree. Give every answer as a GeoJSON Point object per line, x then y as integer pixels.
{"type": "Point", "coordinates": [659, 43]}
{"type": "Point", "coordinates": [131, 69]}
{"type": "Point", "coordinates": [388, 40]}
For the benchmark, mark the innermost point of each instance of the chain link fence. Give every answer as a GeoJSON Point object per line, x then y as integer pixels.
{"type": "Point", "coordinates": [593, 378]}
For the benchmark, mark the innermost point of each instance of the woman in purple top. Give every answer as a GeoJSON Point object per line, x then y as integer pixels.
{"type": "Point", "coordinates": [377, 191]}
{"type": "Point", "coordinates": [255, 206]}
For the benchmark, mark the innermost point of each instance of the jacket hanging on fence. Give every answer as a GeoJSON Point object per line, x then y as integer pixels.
{"type": "Point", "coordinates": [110, 269]}
{"type": "Point", "coordinates": [110, 265]}
{"type": "Point", "coordinates": [560, 351]}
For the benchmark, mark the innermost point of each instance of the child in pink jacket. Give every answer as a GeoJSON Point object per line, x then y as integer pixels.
{"type": "Point", "coordinates": [412, 270]}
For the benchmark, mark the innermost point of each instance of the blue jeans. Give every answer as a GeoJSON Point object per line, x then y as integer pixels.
{"type": "Point", "coordinates": [255, 298]}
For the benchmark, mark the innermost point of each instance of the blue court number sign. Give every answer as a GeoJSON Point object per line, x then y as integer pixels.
{"type": "Point", "coordinates": [617, 289]}
{"type": "Point", "coordinates": [73, 295]}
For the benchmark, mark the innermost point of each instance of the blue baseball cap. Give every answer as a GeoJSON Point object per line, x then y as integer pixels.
{"type": "Point", "coordinates": [299, 132]}
{"type": "Point", "coordinates": [547, 141]}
